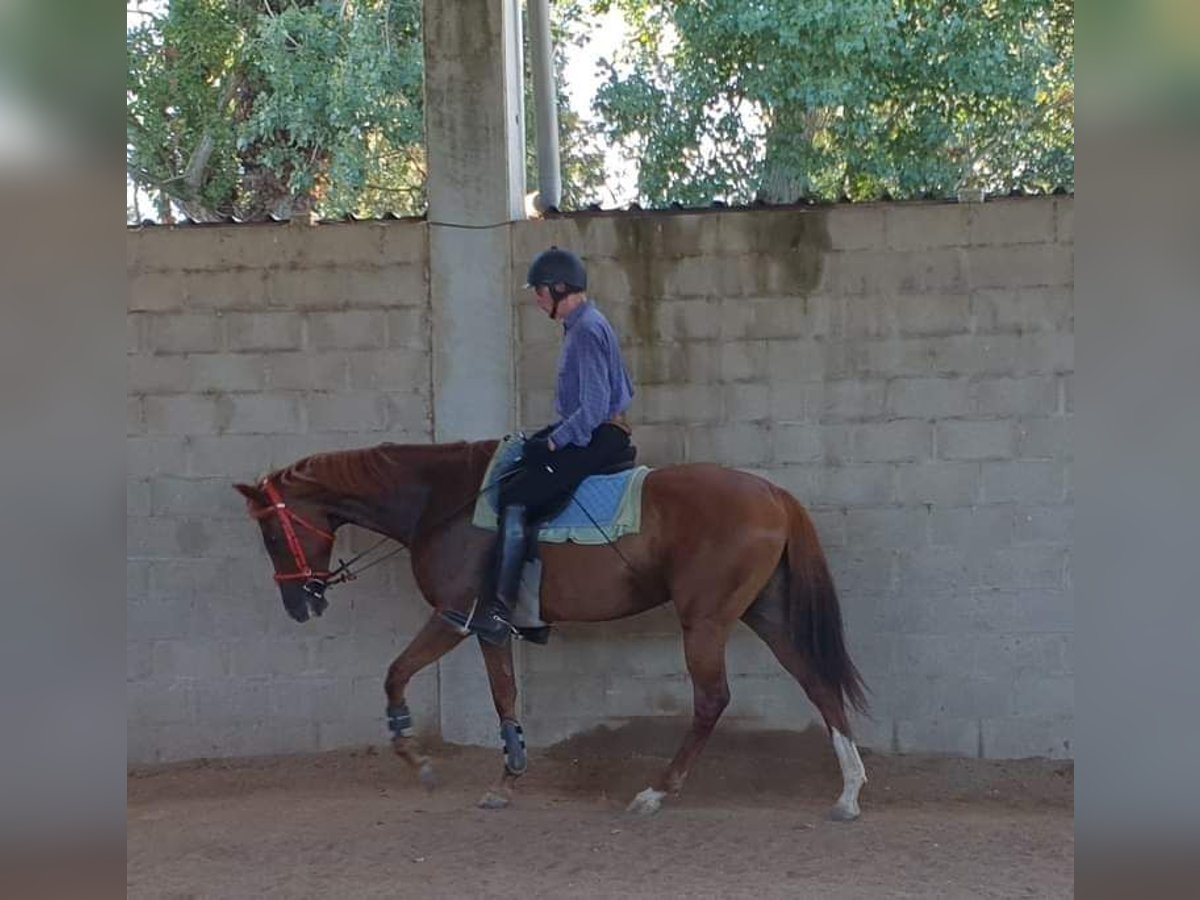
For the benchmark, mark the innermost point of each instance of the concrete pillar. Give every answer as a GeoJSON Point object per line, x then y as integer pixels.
{"type": "Point", "coordinates": [474, 132]}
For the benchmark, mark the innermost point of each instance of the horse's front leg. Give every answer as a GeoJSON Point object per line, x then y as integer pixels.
{"type": "Point", "coordinates": [501, 677]}
{"type": "Point", "coordinates": [433, 641]}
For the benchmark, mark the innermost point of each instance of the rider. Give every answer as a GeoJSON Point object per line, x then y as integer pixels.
{"type": "Point", "coordinates": [592, 395]}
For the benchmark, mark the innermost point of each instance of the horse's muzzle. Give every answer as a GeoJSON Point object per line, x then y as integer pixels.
{"type": "Point", "coordinates": [301, 601]}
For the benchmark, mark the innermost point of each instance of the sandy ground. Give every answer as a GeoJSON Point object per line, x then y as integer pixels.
{"type": "Point", "coordinates": [752, 822]}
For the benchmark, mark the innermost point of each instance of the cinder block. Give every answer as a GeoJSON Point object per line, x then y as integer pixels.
{"type": "Point", "coordinates": [740, 444]}
{"type": "Point", "coordinates": [1024, 481]}
{"type": "Point", "coordinates": [788, 401]}
{"type": "Point", "coordinates": [847, 400]}
{"type": "Point", "coordinates": [348, 330]}
{"type": "Point", "coordinates": [687, 320]}
{"type": "Point", "coordinates": [1022, 737]}
{"type": "Point", "coordinates": [855, 227]}
{"type": "Point", "coordinates": [405, 242]}
{"type": "Point", "coordinates": [184, 333]}
{"type": "Point", "coordinates": [793, 360]}
{"type": "Point", "coordinates": [685, 404]}
{"type": "Point", "coordinates": [951, 737]}
{"type": "Point", "coordinates": [935, 570]}
{"type": "Point", "coordinates": [160, 702]}
{"type": "Point", "coordinates": [193, 659]}
{"type": "Point", "coordinates": [976, 439]}
{"type": "Point", "coordinates": [262, 413]}
{"type": "Point", "coordinates": [409, 329]}
{"type": "Point", "coordinates": [206, 497]}
{"type": "Point", "coordinates": [931, 398]}
{"type": "Point", "coordinates": [344, 411]}
{"type": "Point", "coordinates": [155, 455]}
{"type": "Point", "coordinates": [227, 290]}
{"type": "Point", "coordinates": [855, 485]}
{"type": "Point", "coordinates": [904, 528]}
{"type": "Point", "coordinates": [181, 414]}
{"type": "Point", "coordinates": [137, 497]}
{"type": "Point", "coordinates": [156, 292]}
{"type": "Point", "coordinates": [1025, 610]}
{"type": "Point", "coordinates": [900, 440]}
{"type": "Point", "coordinates": [1038, 695]}
{"type": "Point", "coordinates": [295, 288]}
{"type": "Point", "coordinates": [660, 445]}
{"type": "Point", "coordinates": [1029, 220]}
{"type": "Point", "coordinates": [1027, 309]}
{"type": "Point", "coordinates": [389, 370]}
{"type": "Point", "coordinates": [963, 696]}
{"type": "Point", "coordinates": [1043, 524]}
{"type": "Point", "coordinates": [232, 701]}
{"type": "Point", "coordinates": [979, 530]}
{"type": "Point", "coordinates": [939, 484]}
{"type": "Point", "coordinates": [922, 226]}
{"type": "Point", "coordinates": [309, 699]}
{"type": "Point", "coordinates": [741, 403]}
{"type": "Point", "coordinates": [1023, 654]}
{"type": "Point", "coordinates": [1031, 566]}
{"type": "Point", "coordinates": [409, 417]}
{"type": "Point", "coordinates": [992, 354]}
{"type": "Point", "coordinates": [933, 314]}
{"type": "Point", "coordinates": [861, 571]}
{"type": "Point", "coordinates": [803, 317]}
{"type": "Point", "coordinates": [226, 372]}
{"type": "Point", "coordinates": [228, 456]}
{"type": "Point", "coordinates": [157, 618]}
{"type": "Point", "coordinates": [537, 409]}
{"type": "Point", "coordinates": [390, 286]}
{"type": "Point", "coordinates": [1045, 438]}
{"type": "Point", "coordinates": [308, 371]}
{"type": "Point", "coordinates": [1027, 265]}
{"type": "Point", "coordinates": [683, 234]}
{"type": "Point", "coordinates": [796, 443]}
{"type": "Point", "coordinates": [892, 357]}
{"type": "Point", "coordinates": [1064, 230]}
{"type": "Point", "coordinates": [151, 374]}
{"type": "Point", "coordinates": [743, 361]}
{"type": "Point", "coordinates": [263, 331]}
{"type": "Point", "coordinates": [694, 276]}
{"type": "Point", "coordinates": [1033, 395]}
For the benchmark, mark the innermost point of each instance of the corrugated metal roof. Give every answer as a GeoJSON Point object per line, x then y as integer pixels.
{"type": "Point", "coordinates": [594, 209]}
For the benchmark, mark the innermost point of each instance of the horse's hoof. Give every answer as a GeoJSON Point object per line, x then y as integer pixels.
{"type": "Point", "coordinates": [426, 776]}
{"type": "Point", "coordinates": [841, 813]}
{"type": "Point", "coordinates": [495, 800]}
{"type": "Point", "coordinates": [647, 803]}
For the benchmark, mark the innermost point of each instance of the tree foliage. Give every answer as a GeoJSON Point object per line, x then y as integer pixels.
{"type": "Point", "coordinates": [789, 99]}
{"type": "Point", "coordinates": [260, 107]}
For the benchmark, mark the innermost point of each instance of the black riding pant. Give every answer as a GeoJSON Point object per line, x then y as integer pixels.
{"type": "Point", "coordinates": [546, 481]}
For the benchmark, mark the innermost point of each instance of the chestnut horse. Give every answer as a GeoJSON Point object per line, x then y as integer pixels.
{"type": "Point", "coordinates": [719, 544]}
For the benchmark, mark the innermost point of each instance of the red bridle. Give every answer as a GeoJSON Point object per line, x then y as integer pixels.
{"type": "Point", "coordinates": [286, 519]}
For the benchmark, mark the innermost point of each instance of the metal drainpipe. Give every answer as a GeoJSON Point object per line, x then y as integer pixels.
{"type": "Point", "coordinates": [541, 52]}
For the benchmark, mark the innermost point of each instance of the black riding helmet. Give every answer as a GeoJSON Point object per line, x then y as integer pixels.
{"type": "Point", "coordinates": [555, 266]}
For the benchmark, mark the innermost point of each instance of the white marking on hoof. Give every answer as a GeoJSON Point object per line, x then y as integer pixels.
{"type": "Point", "coordinates": [854, 776]}
{"type": "Point", "coordinates": [426, 776]}
{"type": "Point", "coordinates": [647, 803]}
{"type": "Point", "coordinates": [841, 813]}
{"type": "Point", "coordinates": [495, 799]}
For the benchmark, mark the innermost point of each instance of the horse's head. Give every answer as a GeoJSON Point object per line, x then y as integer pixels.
{"type": "Point", "coordinates": [299, 539]}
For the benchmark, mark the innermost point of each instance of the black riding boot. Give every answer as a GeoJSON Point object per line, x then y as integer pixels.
{"type": "Point", "coordinates": [491, 617]}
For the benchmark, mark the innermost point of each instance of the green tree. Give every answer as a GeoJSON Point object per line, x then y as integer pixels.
{"type": "Point", "coordinates": [788, 99]}
{"type": "Point", "coordinates": [259, 107]}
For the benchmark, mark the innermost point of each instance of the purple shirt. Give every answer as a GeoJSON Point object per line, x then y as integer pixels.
{"type": "Point", "coordinates": [593, 383]}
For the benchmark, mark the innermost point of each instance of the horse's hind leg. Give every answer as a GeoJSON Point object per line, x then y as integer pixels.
{"type": "Point", "coordinates": [499, 662]}
{"type": "Point", "coordinates": [767, 619]}
{"type": "Point", "coordinates": [433, 641]}
{"type": "Point", "coordinates": [704, 649]}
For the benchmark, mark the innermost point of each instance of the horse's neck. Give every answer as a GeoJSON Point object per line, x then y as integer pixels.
{"type": "Point", "coordinates": [396, 484]}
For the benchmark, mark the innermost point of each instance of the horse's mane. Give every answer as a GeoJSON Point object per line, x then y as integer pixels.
{"type": "Point", "coordinates": [365, 471]}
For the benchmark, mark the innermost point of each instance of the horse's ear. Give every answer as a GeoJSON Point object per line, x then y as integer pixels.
{"type": "Point", "coordinates": [253, 494]}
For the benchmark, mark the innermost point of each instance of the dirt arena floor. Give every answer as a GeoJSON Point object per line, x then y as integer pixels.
{"type": "Point", "coordinates": [752, 822]}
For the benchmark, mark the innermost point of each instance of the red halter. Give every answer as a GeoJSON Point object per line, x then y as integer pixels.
{"type": "Point", "coordinates": [286, 519]}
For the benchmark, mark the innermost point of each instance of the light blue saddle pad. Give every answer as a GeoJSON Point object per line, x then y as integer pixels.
{"type": "Point", "coordinates": [612, 502]}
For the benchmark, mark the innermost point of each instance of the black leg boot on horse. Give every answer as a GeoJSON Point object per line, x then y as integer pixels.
{"type": "Point", "coordinates": [491, 619]}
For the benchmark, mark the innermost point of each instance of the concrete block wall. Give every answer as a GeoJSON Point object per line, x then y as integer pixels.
{"type": "Point", "coordinates": [906, 371]}
{"type": "Point", "coordinates": [250, 347]}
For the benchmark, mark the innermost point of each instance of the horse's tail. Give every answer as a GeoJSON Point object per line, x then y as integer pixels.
{"type": "Point", "coordinates": [814, 616]}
